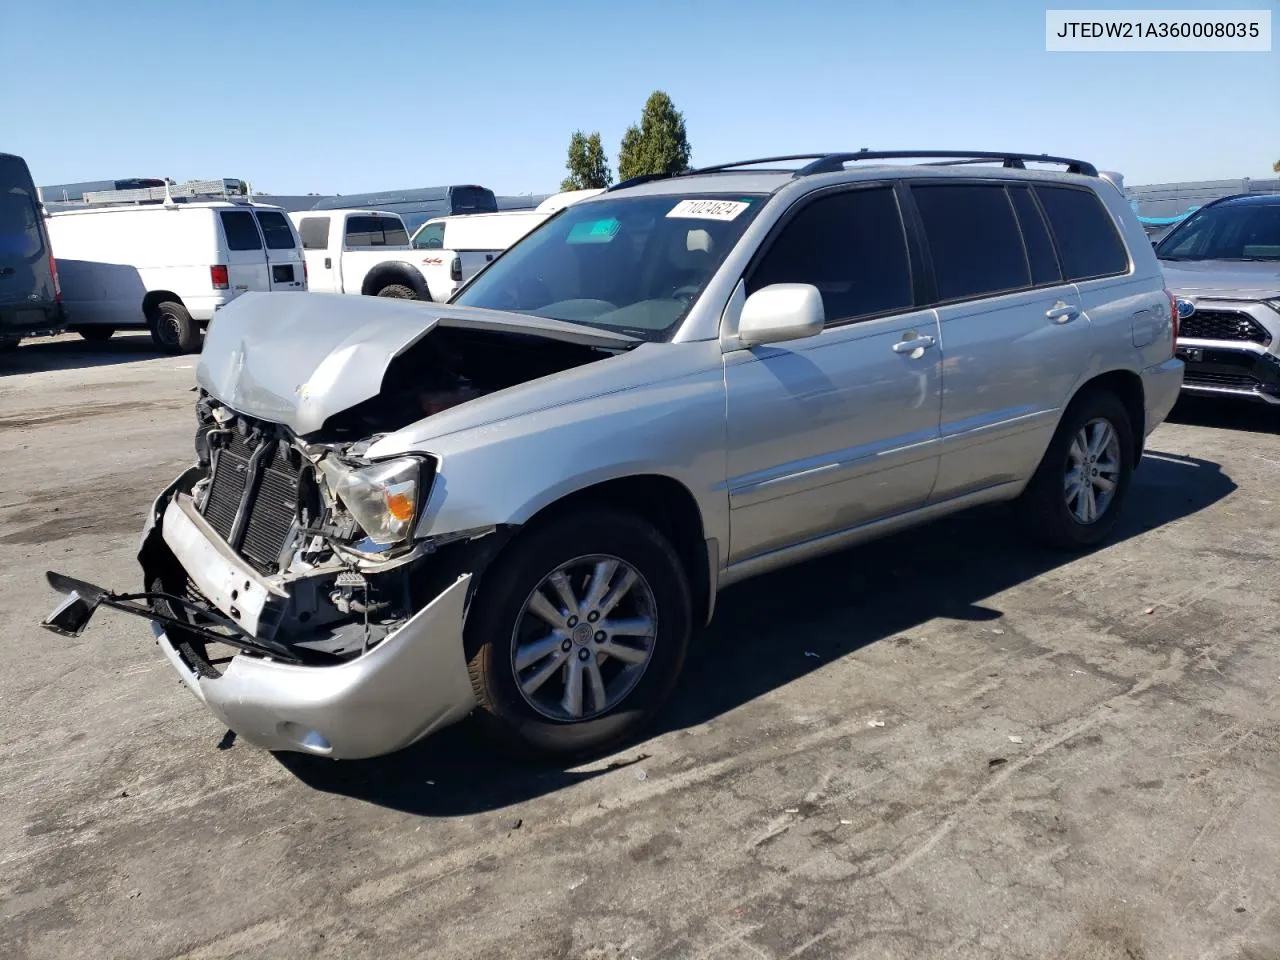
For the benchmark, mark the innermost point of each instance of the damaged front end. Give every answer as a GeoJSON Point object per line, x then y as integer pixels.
{"type": "Point", "coordinates": [295, 582]}
{"type": "Point", "coordinates": [285, 584]}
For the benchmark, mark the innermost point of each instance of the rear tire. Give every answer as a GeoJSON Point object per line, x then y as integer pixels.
{"type": "Point", "coordinates": [9, 343]}
{"type": "Point", "coordinates": [1092, 447]}
{"type": "Point", "coordinates": [96, 334]}
{"type": "Point", "coordinates": [398, 291]}
{"type": "Point", "coordinates": [633, 673]}
{"type": "Point", "coordinates": [173, 329]}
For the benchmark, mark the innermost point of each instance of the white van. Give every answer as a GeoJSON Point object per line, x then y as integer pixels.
{"type": "Point", "coordinates": [169, 267]}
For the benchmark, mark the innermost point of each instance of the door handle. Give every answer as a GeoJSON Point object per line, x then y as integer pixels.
{"type": "Point", "coordinates": [328, 263]}
{"type": "Point", "coordinates": [1062, 312]}
{"type": "Point", "coordinates": [6, 272]}
{"type": "Point", "coordinates": [912, 344]}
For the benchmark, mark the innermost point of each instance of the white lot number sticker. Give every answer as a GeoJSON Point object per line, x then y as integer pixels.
{"type": "Point", "coordinates": [708, 209]}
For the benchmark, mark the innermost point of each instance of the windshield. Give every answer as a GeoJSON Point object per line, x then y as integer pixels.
{"type": "Point", "coordinates": [630, 264]}
{"type": "Point", "coordinates": [1236, 231]}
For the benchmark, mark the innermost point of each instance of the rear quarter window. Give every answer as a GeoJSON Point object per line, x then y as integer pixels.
{"type": "Point", "coordinates": [472, 200]}
{"type": "Point", "coordinates": [275, 228]}
{"type": "Point", "coordinates": [1086, 237]}
{"type": "Point", "coordinates": [241, 230]}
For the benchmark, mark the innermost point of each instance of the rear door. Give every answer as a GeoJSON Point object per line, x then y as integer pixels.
{"type": "Point", "coordinates": [321, 262]}
{"type": "Point", "coordinates": [1015, 336]}
{"type": "Point", "coordinates": [25, 275]}
{"type": "Point", "coordinates": [246, 258]}
{"type": "Point", "coordinates": [283, 256]}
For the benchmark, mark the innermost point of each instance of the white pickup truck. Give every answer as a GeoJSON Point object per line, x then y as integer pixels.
{"type": "Point", "coordinates": [368, 252]}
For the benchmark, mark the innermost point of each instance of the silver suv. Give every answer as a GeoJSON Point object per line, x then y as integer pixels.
{"type": "Point", "coordinates": [1223, 264]}
{"type": "Point", "coordinates": [523, 503]}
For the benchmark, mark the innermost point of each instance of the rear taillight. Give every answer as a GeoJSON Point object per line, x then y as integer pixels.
{"type": "Point", "coordinates": [306, 276]}
{"type": "Point", "coordinates": [221, 279]}
{"type": "Point", "coordinates": [53, 272]}
{"type": "Point", "coordinates": [1173, 314]}
{"type": "Point", "coordinates": [455, 269]}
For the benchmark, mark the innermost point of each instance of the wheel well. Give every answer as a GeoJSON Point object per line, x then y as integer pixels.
{"type": "Point", "coordinates": [662, 501]}
{"type": "Point", "coordinates": [379, 277]}
{"type": "Point", "coordinates": [154, 298]}
{"type": "Point", "coordinates": [1127, 386]}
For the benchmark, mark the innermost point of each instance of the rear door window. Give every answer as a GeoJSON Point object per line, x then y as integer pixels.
{"type": "Point", "coordinates": [1044, 262]}
{"type": "Point", "coordinates": [241, 230]}
{"type": "Point", "coordinates": [376, 232]}
{"type": "Point", "coordinates": [20, 234]}
{"type": "Point", "coordinates": [275, 228]}
{"type": "Point", "coordinates": [1088, 244]}
{"type": "Point", "coordinates": [314, 232]}
{"type": "Point", "coordinates": [973, 238]}
{"type": "Point", "coordinates": [849, 245]}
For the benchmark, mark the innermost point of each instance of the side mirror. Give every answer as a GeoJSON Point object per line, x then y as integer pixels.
{"type": "Point", "coordinates": [781, 311]}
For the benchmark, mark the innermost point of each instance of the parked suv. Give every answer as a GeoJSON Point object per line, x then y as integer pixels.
{"type": "Point", "coordinates": [522, 503]}
{"type": "Point", "coordinates": [1223, 264]}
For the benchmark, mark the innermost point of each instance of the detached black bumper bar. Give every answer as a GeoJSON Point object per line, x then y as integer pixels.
{"type": "Point", "coordinates": [83, 599]}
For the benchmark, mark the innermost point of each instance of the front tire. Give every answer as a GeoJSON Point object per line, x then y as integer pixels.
{"type": "Point", "coordinates": [173, 329]}
{"type": "Point", "coordinates": [1073, 501]}
{"type": "Point", "coordinates": [577, 633]}
{"type": "Point", "coordinates": [9, 343]}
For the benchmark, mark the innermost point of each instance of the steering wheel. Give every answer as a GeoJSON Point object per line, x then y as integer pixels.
{"type": "Point", "coordinates": [686, 292]}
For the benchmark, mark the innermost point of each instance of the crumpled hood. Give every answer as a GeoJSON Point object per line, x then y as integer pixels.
{"type": "Point", "coordinates": [1223, 279]}
{"type": "Point", "coordinates": [300, 358]}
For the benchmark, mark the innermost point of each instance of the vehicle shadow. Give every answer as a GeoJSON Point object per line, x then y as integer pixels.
{"type": "Point", "coordinates": [1226, 414]}
{"type": "Point", "coordinates": [71, 352]}
{"type": "Point", "coordinates": [773, 630]}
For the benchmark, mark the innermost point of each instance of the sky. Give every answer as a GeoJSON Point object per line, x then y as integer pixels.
{"type": "Point", "coordinates": [343, 97]}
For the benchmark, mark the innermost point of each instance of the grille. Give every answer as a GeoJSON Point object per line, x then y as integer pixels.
{"type": "Point", "coordinates": [272, 503]}
{"type": "Point", "coordinates": [1223, 325]}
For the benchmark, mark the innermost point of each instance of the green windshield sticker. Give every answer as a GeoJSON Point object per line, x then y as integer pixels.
{"type": "Point", "coordinates": [594, 231]}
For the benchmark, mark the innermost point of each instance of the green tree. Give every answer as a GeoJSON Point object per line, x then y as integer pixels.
{"type": "Point", "coordinates": [587, 164]}
{"type": "Point", "coordinates": [659, 144]}
{"type": "Point", "coordinates": [1276, 166]}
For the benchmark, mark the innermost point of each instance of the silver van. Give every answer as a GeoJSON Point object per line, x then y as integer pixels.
{"type": "Point", "coordinates": [29, 294]}
{"type": "Point", "coordinates": [523, 502]}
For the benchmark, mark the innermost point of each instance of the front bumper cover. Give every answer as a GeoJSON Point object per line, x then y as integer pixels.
{"type": "Point", "coordinates": [411, 684]}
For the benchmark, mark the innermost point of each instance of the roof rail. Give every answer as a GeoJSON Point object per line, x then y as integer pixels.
{"type": "Point", "coordinates": [718, 168]}
{"type": "Point", "coordinates": [224, 189]}
{"type": "Point", "coordinates": [834, 162]}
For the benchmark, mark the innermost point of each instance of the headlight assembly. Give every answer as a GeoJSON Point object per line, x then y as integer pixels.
{"type": "Point", "coordinates": [382, 497]}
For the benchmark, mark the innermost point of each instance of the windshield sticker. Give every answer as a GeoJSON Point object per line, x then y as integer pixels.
{"type": "Point", "coordinates": [594, 231]}
{"type": "Point", "coordinates": [708, 209]}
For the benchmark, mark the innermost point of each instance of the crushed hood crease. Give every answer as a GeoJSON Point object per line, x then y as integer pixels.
{"type": "Point", "coordinates": [299, 358]}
